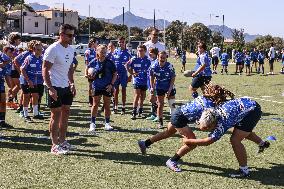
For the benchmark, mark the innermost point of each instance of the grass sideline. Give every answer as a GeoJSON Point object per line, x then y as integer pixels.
{"type": "Point", "coordinates": [112, 159]}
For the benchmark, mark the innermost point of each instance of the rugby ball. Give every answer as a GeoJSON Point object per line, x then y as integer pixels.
{"type": "Point", "coordinates": [91, 71]}
{"type": "Point", "coordinates": [188, 73]}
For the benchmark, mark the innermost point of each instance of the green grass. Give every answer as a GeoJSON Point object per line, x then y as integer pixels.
{"type": "Point", "coordinates": [112, 159]}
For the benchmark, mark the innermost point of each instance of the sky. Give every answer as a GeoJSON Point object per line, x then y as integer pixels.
{"type": "Point", "coordinates": [254, 16]}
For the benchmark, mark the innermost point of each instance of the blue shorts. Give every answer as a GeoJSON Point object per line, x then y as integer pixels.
{"type": "Point", "coordinates": [178, 120]}
{"type": "Point", "coordinates": [141, 87]}
{"type": "Point", "coordinates": [248, 123]}
{"type": "Point", "coordinates": [121, 80]}
{"type": "Point", "coordinates": [199, 81]}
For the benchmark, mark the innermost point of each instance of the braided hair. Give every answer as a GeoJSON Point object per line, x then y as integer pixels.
{"type": "Point", "coordinates": [217, 93]}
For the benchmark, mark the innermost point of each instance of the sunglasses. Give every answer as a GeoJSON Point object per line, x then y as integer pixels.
{"type": "Point", "coordinates": [70, 35]}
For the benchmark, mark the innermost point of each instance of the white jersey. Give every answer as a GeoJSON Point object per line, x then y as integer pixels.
{"type": "Point", "coordinates": [158, 45]}
{"type": "Point", "coordinates": [62, 59]}
{"type": "Point", "coordinates": [272, 52]}
{"type": "Point", "coordinates": [215, 51]}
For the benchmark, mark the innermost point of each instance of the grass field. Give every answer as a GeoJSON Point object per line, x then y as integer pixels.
{"type": "Point", "coordinates": [112, 159]}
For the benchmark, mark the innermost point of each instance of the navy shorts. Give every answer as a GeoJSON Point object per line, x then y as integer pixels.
{"type": "Point", "coordinates": [199, 81]}
{"type": "Point", "coordinates": [249, 121]}
{"type": "Point", "coordinates": [141, 87]}
{"type": "Point", "coordinates": [65, 97]}
{"type": "Point", "coordinates": [101, 92]}
{"type": "Point", "coordinates": [2, 87]}
{"type": "Point", "coordinates": [161, 92]}
{"type": "Point", "coordinates": [122, 79]}
{"type": "Point", "coordinates": [271, 61]}
{"type": "Point", "coordinates": [215, 60]}
{"type": "Point", "coordinates": [239, 63]}
{"type": "Point", "coordinates": [178, 120]}
{"type": "Point", "coordinates": [27, 90]}
{"type": "Point", "coordinates": [15, 74]}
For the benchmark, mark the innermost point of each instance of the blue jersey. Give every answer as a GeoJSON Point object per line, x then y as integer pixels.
{"type": "Point", "coordinates": [253, 56]}
{"type": "Point", "coordinates": [163, 75]}
{"type": "Point", "coordinates": [247, 60]}
{"type": "Point", "coordinates": [103, 73]}
{"type": "Point", "coordinates": [283, 58]}
{"type": "Point", "coordinates": [231, 113]}
{"type": "Point", "coordinates": [3, 58]}
{"type": "Point", "coordinates": [193, 110]}
{"type": "Point", "coordinates": [90, 55]}
{"type": "Point", "coordinates": [260, 58]}
{"type": "Point", "coordinates": [110, 56]}
{"type": "Point", "coordinates": [141, 67]}
{"type": "Point", "coordinates": [21, 57]}
{"type": "Point", "coordinates": [239, 57]}
{"type": "Point", "coordinates": [121, 57]}
{"type": "Point", "coordinates": [183, 57]}
{"type": "Point", "coordinates": [153, 61]}
{"type": "Point", "coordinates": [33, 68]}
{"type": "Point", "coordinates": [201, 60]}
{"type": "Point", "coordinates": [224, 59]}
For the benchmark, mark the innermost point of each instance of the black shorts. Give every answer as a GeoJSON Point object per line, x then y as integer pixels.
{"type": "Point", "coordinates": [40, 88]}
{"type": "Point", "coordinates": [141, 87]}
{"type": "Point", "coordinates": [215, 60]}
{"type": "Point", "coordinates": [261, 62]}
{"type": "Point", "coordinates": [96, 92]}
{"type": "Point", "coordinates": [249, 121]}
{"type": "Point", "coordinates": [271, 61]}
{"type": "Point", "coordinates": [161, 92]}
{"type": "Point", "coordinates": [240, 63]}
{"type": "Point", "coordinates": [15, 74]}
{"type": "Point", "coordinates": [64, 97]}
{"type": "Point", "coordinates": [247, 65]}
{"type": "Point", "coordinates": [178, 120]}
{"type": "Point", "coordinates": [27, 90]}
{"type": "Point", "coordinates": [254, 60]}
{"type": "Point", "coordinates": [90, 80]}
{"type": "Point", "coordinates": [183, 63]}
{"type": "Point", "coordinates": [199, 81]}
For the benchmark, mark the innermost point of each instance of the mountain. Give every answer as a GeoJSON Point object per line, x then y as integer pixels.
{"type": "Point", "coordinates": [228, 32]}
{"type": "Point", "coordinates": [37, 6]}
{"type": "Point", "coordinates": [132, 20]}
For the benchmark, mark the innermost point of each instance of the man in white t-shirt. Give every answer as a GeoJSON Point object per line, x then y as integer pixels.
{"type": "Point", "coordinates": [154, 43]}
{"type": "Point", "coordinates": [57, 73]}
{"type": "Point", "coordinates": [271, 55]}
{"type": "Point", "coordinates": [215, 57]}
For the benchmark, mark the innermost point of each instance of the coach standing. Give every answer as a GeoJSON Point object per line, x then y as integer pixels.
{"type": "Point", "coordinates": [58, 77]}
{"type": "Point", "coordinates": [154, 42]}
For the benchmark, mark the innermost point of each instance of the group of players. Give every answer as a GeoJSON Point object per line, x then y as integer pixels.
{"type": "Point", "coordinates": [246, 59]}
{"type": "Point", "coordinates": [108, 67]}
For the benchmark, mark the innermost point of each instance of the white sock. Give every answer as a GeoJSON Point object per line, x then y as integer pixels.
{"type": "Point", "coordinates": [35, 110]}
{"type": "Point", "coordinates": [245, 169]}
{"type": "Point", "coordinates": [172, 105]}
{"type": "Point", "coordinates": [26, 111]}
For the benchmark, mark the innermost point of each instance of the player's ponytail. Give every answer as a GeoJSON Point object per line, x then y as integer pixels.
{"type": "Point", "coordinates": [217, 93]}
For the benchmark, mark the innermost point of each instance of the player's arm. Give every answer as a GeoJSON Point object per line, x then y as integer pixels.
{"type": "Point", "coordinates": [45, 73]}
{"type": "Point", "coordinates": [16, 63]}
{"type": "Point", "coordinates": [199, 142]}
{"type": "Point", "coordinates": [129, 67]}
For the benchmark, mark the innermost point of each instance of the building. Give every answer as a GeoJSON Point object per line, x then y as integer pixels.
{"type": "Point", "coordinates": [32, 22]}
{"type": "Point", "coordinates": [54, 18]}
{"type": "Point", "coordinates": [40, 22]}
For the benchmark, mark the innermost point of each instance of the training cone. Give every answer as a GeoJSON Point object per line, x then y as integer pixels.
{"type": "Point", "coordinates": [271, 138]}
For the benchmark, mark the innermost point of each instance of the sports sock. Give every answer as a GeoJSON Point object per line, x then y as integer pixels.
{"type": "Point", "coordinates": [148, 143]}
{"type": "Point", "coordinates": [93, 120]}
{"type": "Point", "coordinates": [245, 169]}
{"type": "Point", "coordinates": [175, 158]}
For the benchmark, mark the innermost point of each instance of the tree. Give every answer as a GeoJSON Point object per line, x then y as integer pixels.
{"type": "Point", "coordinates": [216, 37]}
{"type": "Point", "coordinates": [10, 3]}
{"type": "Point", "coordinates": [173, 33]}
{"type": "Point", "coordinates": [3, 16]}
{"type": "Point", "coordinates": [96, 26]}
{"type": "Point", "coordinates": [239, 38]}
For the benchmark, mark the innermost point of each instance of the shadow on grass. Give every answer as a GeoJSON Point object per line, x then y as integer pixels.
{"type": "Point", "coordinates": [272, 176]}
{"type": "Point", "coordinates": [267, 114]}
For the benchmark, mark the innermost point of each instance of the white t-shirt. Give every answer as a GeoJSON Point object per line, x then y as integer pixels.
{"type": "Point", "coordinates": [61, 58]}
{"type": "Point", "coordinates": [215, 51]}
{"type": "Point", "coordinates": [158, 45]}
{"type": "Point", "coordinates": [272, 52]}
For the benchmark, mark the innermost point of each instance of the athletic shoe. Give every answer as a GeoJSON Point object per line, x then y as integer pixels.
{"type": "Point", "coordinates": [122, 111]}
{"type": "Point", "coordinates": [239, 174]}
{"type": "Point", "coordinates": [142, 146]}
{"type": "Point", "coordinates": [21, 114]}
{"type": "Point", "coordinates": [38, 116]}
{"type": "Point", "coordinates": [160, 126]}
{"type": "Point", "coordinates": [152, 117]}
{"type": "Point", "coordinates": [28, 119]}
{"type": "Point", "coordinates": [92, 128]}
{"type": "Point", "coordinates": [19, 109]}
{"type": "Point", "coordinates": [67, 146]}
{"type": "Point", "coordinates": [57, 150]}
{"type": "Point", "coordinates": [269, 73]}
{"type": "Point", "coordinates": [108, 127]}
{"type": "Point", "coordinates": [261, 148]}
{"type": "Point", "coordinates": [172, 165]}
{"type": "Point", "coordinates": [156, 119]}
{"type": "Point", "coordinates": [114, 111]}
{"type": "Point", "coordinates": [133, 117]}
